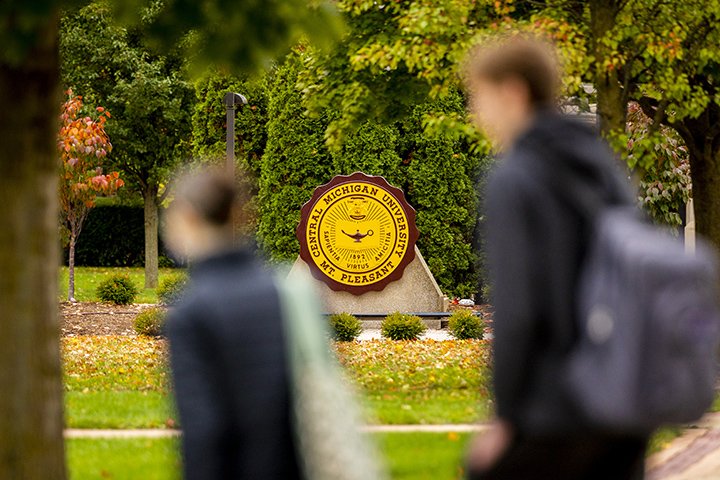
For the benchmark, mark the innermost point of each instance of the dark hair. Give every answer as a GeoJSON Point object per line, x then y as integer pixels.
{"type": "Point", "coordinates": [212, 195]}
{"type": "Point", "coordinates": [528, 58]}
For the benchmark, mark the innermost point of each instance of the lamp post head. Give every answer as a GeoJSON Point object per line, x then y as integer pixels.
{"type": "Point", "coordinates": [233, 99]}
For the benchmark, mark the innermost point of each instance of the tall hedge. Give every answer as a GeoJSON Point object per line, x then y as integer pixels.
{"type": "Point", "coordinates": [114, 236]}
{"type": "Point", "coordinates": [441, 185]}
{"type": "Point", "coordinates": [209, 134]}
{"type": "Point", "coordinates": [209, 120]}
{"type": "Point", "coordinates": [295, 161]}
{"type": "Point", "coordinates": [371, 149]}
{"type": "Point", "coordinates": [438, 174]}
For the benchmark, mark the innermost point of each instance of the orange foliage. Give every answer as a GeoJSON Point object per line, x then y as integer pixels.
{"type": "Point", "coordinates": [83, 143]}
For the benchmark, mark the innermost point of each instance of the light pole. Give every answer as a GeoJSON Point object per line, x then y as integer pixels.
{"type": "Point", "coordinates": [232, 100]}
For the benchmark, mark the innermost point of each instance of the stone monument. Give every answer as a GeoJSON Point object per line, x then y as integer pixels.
{"type": "Point", "coordinates": [357, 239]}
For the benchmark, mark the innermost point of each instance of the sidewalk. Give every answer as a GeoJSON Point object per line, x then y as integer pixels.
{"type": "Point", "coordinates": [695, 455]}
{"type": "Point", "coordinates": [166, 432]}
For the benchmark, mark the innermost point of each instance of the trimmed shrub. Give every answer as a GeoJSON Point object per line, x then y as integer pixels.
{"type": "Point", "coordinates": [171, 288]}
{"type": "Point", "coordinates": [150, 321]}
{"type": "Point", "coordinates": [464, 325]}
{"type": "Point", "coordinates": [345, 327]}
{"type": "Point", "coordinates": [117, 289]}
{"type": "Point", "coordinates": [401, 326]}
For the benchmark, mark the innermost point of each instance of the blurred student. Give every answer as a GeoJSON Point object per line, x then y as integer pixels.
{"type": "Point", "coordinates": [227, 345]}
{"type": "Point", "coordinates": [536, 239]}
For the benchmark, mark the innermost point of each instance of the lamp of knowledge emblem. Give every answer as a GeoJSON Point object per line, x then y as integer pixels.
{"type": "Point", "coordinates": [357, 233]}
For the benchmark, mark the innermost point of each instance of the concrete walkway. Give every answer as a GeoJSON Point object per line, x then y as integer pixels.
{"type": "Point", "coordinates": [430, 333]}
{"type": "Point", "coordinates": [695, 455]}
{"type": "Point", "coordinates": [167, 432]}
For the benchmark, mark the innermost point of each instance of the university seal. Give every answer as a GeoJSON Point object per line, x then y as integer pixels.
{"type": "Point", "coordinates": [357, 233]}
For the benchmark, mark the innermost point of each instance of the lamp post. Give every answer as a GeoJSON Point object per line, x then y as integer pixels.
{"type": "Point", "coordinates": [232, 100]}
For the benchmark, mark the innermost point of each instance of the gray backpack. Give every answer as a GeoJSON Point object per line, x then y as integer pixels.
{"type": "Point", "coordinates": [650, 327]}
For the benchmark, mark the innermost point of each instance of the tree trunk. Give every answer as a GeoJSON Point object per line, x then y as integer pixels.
{"type": "Point", "coordinates": [611, 100]}
{"type": "Point", "coordinates": [151, 236]}
{"type": "Point", "coordinates": [706, 196]}
{"type": "Point", "coordinates": [31, 419]}
{"type": "Point", "coordinates": [704, 152]}
{"type": "Point", "coordinates": [71, 267]}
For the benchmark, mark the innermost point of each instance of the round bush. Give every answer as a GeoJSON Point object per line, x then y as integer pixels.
{"type": "Point", "coordinates": [401, 326]}
{"type": "Point", "coordinates": [464, 325]}
{"type": "Point", "coordinates": [150, 321]}
{"type": "Point", "coordinates": [171, 288]}
{"type": "Point", "coordinates": [117, 289]}
{"type": "Point", "coordinates": [345, 327]}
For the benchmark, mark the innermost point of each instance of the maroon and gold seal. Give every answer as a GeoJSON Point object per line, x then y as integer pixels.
{"type": "Point", "coordinates": [357, 233]}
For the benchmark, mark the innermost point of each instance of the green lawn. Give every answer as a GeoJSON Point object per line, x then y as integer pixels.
{"type": "Point", "coordinates": [116, 382]}
{"type": "Point", "coordinates": [87, 280]}
{"type": "Point", "coordinates": [409, 456]}
{"type": "Point", "coordinates": [123, 382]}
{"type": "Point", "coordinates": [118, 409]}
{"type": "Point", "coordinates": [422, 382]}
{"type": "Point", "coordinates": [423, 456]}
{"type": "Point", "coordinates": [131, 459]}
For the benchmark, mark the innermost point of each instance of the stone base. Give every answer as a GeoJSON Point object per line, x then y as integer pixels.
{"type": "Point", "coordinates": [416, 291]}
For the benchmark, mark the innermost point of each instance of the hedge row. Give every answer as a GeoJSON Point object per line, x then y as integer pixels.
{"type": "Point", "coordinates": [114, 236]}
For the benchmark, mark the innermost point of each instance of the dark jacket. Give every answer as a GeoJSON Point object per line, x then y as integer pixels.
{"type": "Point", "coordinates": [536, 231]}
{"type": "Point", "coordinates": [230, 373]}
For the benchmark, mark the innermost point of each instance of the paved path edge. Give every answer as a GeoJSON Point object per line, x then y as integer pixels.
{"type": "Point", "coordinates": [167, 432]}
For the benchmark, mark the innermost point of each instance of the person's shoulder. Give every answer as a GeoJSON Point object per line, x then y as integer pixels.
{"type": "Point", "coordinates": [513, 175]}
{"type": "Point", "coordinates": [183, 317]}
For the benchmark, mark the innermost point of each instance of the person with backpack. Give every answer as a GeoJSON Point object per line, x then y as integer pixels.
{"type": "Point", "coordinates": [537, 234]}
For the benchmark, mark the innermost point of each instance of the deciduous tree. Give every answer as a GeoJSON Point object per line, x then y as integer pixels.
{"type": "Point", "coordinates": [150, 99]}
{"type": "Point", "coordinates": [83, 144]}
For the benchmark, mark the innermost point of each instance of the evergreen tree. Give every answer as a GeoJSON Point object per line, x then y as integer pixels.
{"type": "Point", "coordinates": [295, 161]}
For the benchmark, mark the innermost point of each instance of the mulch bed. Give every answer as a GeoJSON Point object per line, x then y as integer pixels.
{"type": "Point", "coordinates": [92, 318]}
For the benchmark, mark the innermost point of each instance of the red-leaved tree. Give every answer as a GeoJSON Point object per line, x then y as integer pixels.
{"type": "Point", "coordinates": [83, 144]}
